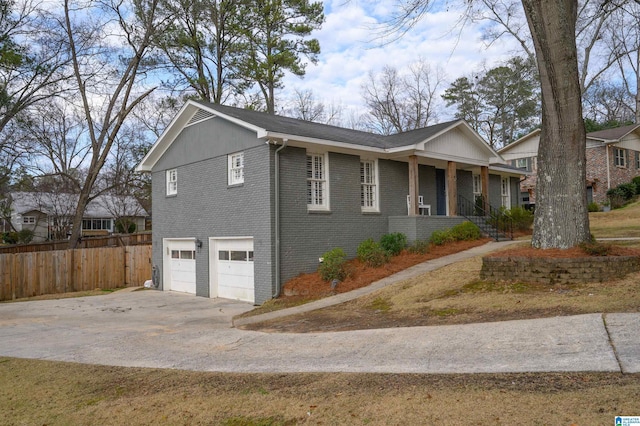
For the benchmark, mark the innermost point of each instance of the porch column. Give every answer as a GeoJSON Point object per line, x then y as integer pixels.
{"type": "Point", "coordinates": [452, 188]}
{"type": "Point", "coordinates": [484, 181]}
{"type": "Point", "coordinates": [413, 185]}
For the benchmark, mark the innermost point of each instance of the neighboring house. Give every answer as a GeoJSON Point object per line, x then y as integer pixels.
{"type": "Point", "coordinates": [244, 201]}
{"type": "Point", "coordinates": [49, 215]}
{"type": "Point", "coordinates": [613, 157]}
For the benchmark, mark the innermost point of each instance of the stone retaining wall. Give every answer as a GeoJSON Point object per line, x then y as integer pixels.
{"type": "Point", "coordinates": [558, 271]}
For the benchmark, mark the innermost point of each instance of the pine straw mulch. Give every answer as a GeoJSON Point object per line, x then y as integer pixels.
{"type": "Point", "coordinates": [311, 286]}
{"type": "Point", "coordinates": [572, 253]}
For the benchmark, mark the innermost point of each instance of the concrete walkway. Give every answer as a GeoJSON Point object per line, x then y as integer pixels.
{"type": "Point", "coordinates": [172, 330]}
{"type": "Point", "coordinates": [411, 272]}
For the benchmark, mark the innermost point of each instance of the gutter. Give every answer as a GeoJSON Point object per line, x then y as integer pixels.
{"type": "Point", "coordinates": [277, 214]}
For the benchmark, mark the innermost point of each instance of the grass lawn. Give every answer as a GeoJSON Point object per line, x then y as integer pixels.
{"type": "Point", "coordinates": [57, 393]}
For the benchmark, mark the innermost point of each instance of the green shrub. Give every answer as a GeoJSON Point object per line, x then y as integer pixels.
{"type": "Point", "coordinates": [616, 197]}
{"type": "Point", "coordinates": [441, 237]}
{"type": "Point", "coordinates": [25, 236]}
{"type": "Point", "coordinates": [333, 265]}
{"type": "Point", "coordinates": [372, 253]}
{"type": "Point", "coordinates": [521, 217]}
{"type": "Point", "coordinates": [125, 226]}
{"type": "Point", "coordinates": [10, 238]}
{"type": "Point", "coordinates": [593, 207]}
{"type": "Point", "coordinates": [420, 247]}
{"type": "Point", "coordinates": [393, 243]}
{"type": "Point", "coordinates": [636, 181]}
{"type": "Point", "coordinates": [628, 189]}
{"type": "Point", "coordinates": [466, 231]}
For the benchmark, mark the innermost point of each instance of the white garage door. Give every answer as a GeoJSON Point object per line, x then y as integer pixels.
{"type": "Point", "coordinates": [182, 266]}
{"type": "Point", "coordinates": [234, 269]}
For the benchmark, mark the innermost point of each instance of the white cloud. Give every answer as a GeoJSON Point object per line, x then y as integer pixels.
{"type": "Point", "coordinates": [349, 50]}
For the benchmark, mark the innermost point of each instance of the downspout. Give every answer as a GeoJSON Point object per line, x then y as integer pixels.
{"type": "Point", "coordinates": [277, 214]}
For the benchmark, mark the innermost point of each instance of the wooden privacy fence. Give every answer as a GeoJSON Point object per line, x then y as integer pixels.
{"type": "Point", "coordinates": [114, 240]}
{"type": "Point", "coordinates": [63, 271]}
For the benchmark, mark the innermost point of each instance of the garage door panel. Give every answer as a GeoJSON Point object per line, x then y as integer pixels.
{"type": "Point", "coordinates": [182, 266]}
{"type": "Point", "coordinates": [234, 276]}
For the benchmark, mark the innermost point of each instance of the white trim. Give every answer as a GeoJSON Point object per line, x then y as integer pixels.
{"type": "Point", "coordinates": [213, 262]}
{"type": "Point", "coordinates": [235, 172]}
{"type": "Point", "coordinates": [623, 157]}
{"type": "Point", "coordinates": [166, 259]}
{"type": "Point", "coordinates": [171, 180]}
{"type": "Point", "coordinates": [324, 180]}
{"type": "Point", "coordinates": [477, 176]}
{"type": "Point", "coordinates": [505, 197]}
{"type": "Point", "coordinates": [375, 194]}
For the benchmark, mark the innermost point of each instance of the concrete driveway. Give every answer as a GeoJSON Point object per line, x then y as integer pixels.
{"type": "Point", "coordinates": [171, 330]}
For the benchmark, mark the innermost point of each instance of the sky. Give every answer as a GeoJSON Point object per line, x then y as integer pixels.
{"type": "Point", "coordinates": [349, 50]}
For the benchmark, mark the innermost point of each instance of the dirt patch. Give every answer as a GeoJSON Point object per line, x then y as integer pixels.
{"type": "Point", "coordinates": [56, 393]}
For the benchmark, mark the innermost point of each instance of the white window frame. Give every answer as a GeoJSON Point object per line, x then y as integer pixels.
{"type": "Point", "coordinates": [28, 220]}
{"type": "Point", "coordinates": [317, 181]}
{"type": "Point", "coordinates": [505, 191]}
{"type": "Point", "coordinates": [522, 163]}
{"type": "Point", "coordinates": [477, 185]}
{"type": "Point", "coordinates": [97, 224]}
{"type": "Point", "coordinates": [172, 182]}
{"type": "Point", "coordinates": [620, 157]}
{"type": "Point", "coordinates": [235, 163]}
{"type": "Point", "coordinates": [369, 192]}
{"type": "Point", "coordinates": [637, 160]}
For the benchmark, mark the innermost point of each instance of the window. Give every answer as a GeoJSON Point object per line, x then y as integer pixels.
{"type": "Point", "coordinates": [368, 185]}
{"type": "Point", "coordinates": [477, 185]}
{"type": "Point", "coordinates": [183, 254]}
{"type": "Point", "coordinates": [620, 157]}
{"type": "Point", "coordinates": [236, 168]}
{"type": "Point", "coordinates": [235, 255]}
{"type": "Point", "coordinates": [637, 160]}
{"type": "Point", "coordinates": [317, 188]}
{"type": "Point", "coordinates": [172, 182]}
{"type": "Point", "coordinates": [506, 193]}
{"type": "Point", "coordinates": [97, 224]}
{"type": "Point", "coordinates": [523, 163]}
{"type": "Point", "coordinates": [28, 220]}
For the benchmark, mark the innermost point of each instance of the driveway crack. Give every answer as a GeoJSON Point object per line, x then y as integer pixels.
{"type": "Point", "coordinates": [613, 346]}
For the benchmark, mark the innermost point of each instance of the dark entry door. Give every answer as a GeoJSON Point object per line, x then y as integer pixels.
{"type": "Point", "coordinates": [441, 193]}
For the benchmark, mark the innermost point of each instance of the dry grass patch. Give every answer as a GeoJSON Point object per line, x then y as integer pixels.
{"type": "Point", "coordinates": [55, 393]}
{"type": "Point", "coordinates": [95, 292]}
{"type": "Point", "coordinates": [454, 294]}
{"type": "Point", "coordinates": [619, 223]}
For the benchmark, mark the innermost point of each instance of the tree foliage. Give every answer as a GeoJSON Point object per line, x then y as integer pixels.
{"type": "Point", "coordinates": [278, 41]}
{"type": "Point", "coordinates": [501, 103]}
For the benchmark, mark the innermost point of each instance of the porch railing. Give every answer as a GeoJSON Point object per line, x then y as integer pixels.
{"type": "Point", "coordinates": [491, 221]}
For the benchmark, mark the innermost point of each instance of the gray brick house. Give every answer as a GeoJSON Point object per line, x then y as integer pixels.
{"type": "Point", "coordinates": [613, 157]}
{"type": "Point", "coordinates": [244, 201]}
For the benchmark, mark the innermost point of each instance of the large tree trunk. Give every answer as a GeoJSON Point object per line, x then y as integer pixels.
{"type": "Point", "coordinates": [561, 217]}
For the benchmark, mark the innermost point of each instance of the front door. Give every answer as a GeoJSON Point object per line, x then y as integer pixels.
{"type": "Point", "coordinates": [441, 192]}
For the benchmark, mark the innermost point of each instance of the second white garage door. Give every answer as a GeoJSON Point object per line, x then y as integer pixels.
{"type": "Point", "coordinates": [232, 276]}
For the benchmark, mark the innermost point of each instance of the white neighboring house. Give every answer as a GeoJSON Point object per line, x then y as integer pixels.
{"type": "Point", "coordinates": [49, 215]}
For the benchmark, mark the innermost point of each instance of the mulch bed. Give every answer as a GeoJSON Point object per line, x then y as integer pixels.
{"type": "Point", "coordinates": [361, 275]}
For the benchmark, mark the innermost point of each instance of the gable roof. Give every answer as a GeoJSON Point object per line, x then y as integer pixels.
{"type": "Point", "coordinates": [606, 136]}
{"type": "Point", "coordinates": [275, 127]}
{"type": "Point", "coordinates": [517, 142]}
{"type": "Point", "coordinates": [613, 135]}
